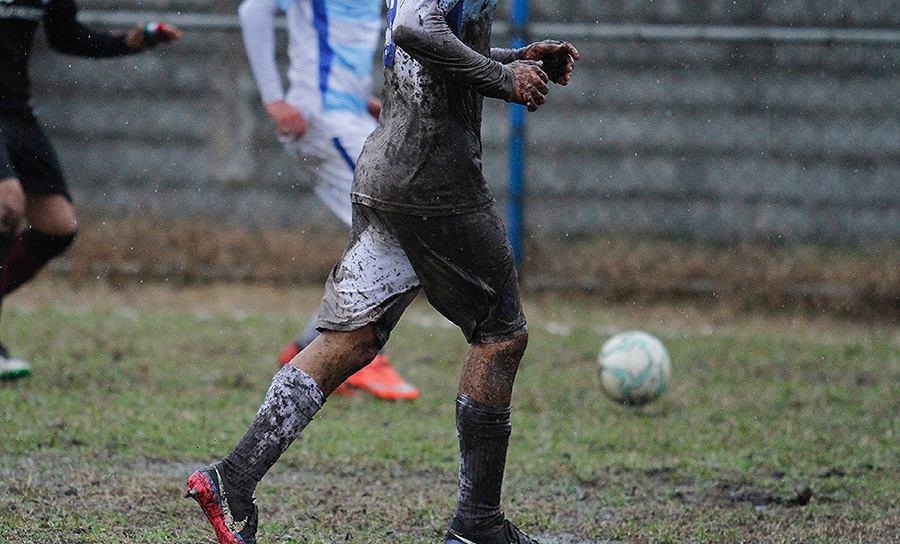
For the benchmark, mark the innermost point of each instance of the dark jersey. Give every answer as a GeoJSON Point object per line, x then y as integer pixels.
{"type": "Point", "coordinates": [19, 20]}
{"type": "Point", "coordinates": [425, 156]}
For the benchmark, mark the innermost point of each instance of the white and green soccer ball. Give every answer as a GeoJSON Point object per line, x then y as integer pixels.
{"type": "Point", "coordinates": [634, 368]}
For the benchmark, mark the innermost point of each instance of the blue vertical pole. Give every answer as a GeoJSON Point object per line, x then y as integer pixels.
{"type": "Point", "coordinates": [516, 197]}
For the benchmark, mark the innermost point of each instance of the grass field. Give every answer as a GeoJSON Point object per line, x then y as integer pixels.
{"type": "Point", "coordinates": [777, 428]}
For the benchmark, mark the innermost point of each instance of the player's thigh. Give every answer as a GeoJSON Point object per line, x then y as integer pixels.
{"type": "Point", "coordinates": [37, 167]}
{"type": "Point", "coordinates": [12, 195]}
{"type": "Point", "coordinates": [466, 266]}
{"type": "Point", "coordinates": [373, 282]}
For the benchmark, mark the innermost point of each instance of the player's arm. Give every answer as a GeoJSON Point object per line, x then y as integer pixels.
{"type": "Point", "coordinates": [66, 35]}
{"type": "Point", "coordinates": [420, 29]}
{"type": "Point", "coordinates": [258, 29]}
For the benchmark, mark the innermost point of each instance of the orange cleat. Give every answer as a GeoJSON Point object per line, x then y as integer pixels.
{"type": "Point", "coordinates": [380, 379]}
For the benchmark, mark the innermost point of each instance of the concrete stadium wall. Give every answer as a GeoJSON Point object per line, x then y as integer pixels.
{"type": "Point", "coordinates": [699, 140]}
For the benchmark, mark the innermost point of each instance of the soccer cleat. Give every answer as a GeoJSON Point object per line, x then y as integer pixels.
{"type": "Point", "coordinates": [12, 368]}
{"type": "Point", "coordinates": [381, 380]}
{"type": "Point", "coordinates": [205, 487]}
{"type": "Point", "coordinates": [506, 533]}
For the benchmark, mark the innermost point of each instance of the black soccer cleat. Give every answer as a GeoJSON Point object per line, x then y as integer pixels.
{"type": "Point", "coordinates": [506, 533]}
{"type": "Point", "coordinates": [205, 487]}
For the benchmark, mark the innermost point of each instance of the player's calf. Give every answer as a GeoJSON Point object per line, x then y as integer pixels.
{"type": "Point", "coordinates": [27, 254]}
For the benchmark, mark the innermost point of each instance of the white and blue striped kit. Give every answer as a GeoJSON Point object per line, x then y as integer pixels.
{"type": "Point", "coordinates": [332, 46]}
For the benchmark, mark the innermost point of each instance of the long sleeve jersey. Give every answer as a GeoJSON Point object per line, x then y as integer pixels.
{"type": "Point", "coordinates": [331, 48]}
{"type": "Point", "coordinates": [19, 20]}
{"type": "Point", "coordinates": [425, 157]}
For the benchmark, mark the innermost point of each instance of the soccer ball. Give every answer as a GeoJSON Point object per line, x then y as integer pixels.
{"type": "Point", "coordinates": [634, 368]}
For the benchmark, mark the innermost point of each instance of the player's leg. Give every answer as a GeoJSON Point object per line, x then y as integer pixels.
{"type": "Point", "coordinates": [364, 297]}
{"type": "Point", "coordinates": [47, 206]}
{"type": "Point", "coordinates": [335, 143]}
{"type": "Point", "coordinates": [298, 391]}
{"type": "Point", "coordinates": [12, 213]}
{"type": "Point", "coordinates": [49, 209]}
{"type": "Point", "coordinates": [53, 226]}
{"type": "Point", "coordinates": [478, 291]}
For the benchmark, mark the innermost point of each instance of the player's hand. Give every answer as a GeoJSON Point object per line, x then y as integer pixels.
{"type": "Point", "coordinates": [374, 107]}
{"type": "Point", "coordinates": [288, 119]}
{"type": "Point", "coordinates": [558, 58]}
{"type": "Point", "coordinates": [530, 83]}
{"type": "Point", "coordinates": [147, 35]}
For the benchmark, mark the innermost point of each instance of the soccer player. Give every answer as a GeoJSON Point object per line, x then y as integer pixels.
{"type": "Point", "coordinates": [423, 218]}
{"type": "Point", "coordinates": [323, 119]}
{"type": "Point", "coordinates": [37, 219]}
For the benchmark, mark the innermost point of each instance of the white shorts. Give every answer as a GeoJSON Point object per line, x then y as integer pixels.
{"type": "Point", "coordinates": [328, 153]}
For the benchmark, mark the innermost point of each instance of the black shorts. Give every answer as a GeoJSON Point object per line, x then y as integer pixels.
{"type": "Point", "coordinates": [463, 262]}
{"type": "Point", "coordinates": [26, 154]}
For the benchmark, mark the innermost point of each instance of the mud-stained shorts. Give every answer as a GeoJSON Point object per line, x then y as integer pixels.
{"type": "Point", "coordinates": [26, 154]}
{"type": "Point", "coordinates": [463, 262]}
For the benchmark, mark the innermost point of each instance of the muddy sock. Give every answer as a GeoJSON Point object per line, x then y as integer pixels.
{"type": "Point", "coordinates": [292, 401]}
{"type": "Point", "coordinates": [27, 254]}
{"type": "Point", "coordinates": [483, 438]}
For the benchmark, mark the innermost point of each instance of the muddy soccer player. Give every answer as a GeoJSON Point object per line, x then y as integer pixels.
{"type": "Point", "coordinates": [323, 120]}
{"type": "Point", "coordinates": [423, 218]}
{"type": "Point", "coordinates": [37, 218]}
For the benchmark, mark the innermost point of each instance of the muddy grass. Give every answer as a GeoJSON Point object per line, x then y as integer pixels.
{"type": "Point", "coordinates": [57, 498]}
{"type": "Point", "coordinates": [777, 427]}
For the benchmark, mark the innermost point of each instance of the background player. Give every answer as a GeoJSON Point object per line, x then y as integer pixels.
{"type": "Point", "coordinates": [323, 119]}
{"type": "Point", "coordinates": [37, 219]}
{"type": "Point", "coordinates": [423, 218]}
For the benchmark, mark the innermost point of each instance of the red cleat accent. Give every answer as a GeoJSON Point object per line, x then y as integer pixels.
{"type": "Point", "coordinates": [205, 491]}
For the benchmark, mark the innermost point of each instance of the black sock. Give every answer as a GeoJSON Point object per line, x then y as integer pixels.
{"type": "Point", "coordinates": [27, 254]}
{"type": "Point", "coordinates": [6, 240]}
{"type": "Point", "coordinates": [483, 439]}
{"type": "Point", "coordinates": [290, 404]}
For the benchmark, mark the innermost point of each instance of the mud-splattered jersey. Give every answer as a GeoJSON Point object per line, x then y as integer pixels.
{"type": "Point", "coordinates": [19, 20]}
{"type": "Point", "coordinates": [425, 156]}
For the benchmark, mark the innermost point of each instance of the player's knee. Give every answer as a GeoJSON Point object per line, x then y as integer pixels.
{"type": "Point", "coordinates": [507, 353]}
{"type": "Point", "coordinates": [369, 345]}
{"type": "Point", "coordinates": [12, 204]}
{"type": "Point", "coordinates": [54, 215]}
{"type": "Point", "coordinates": [516, 346]}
